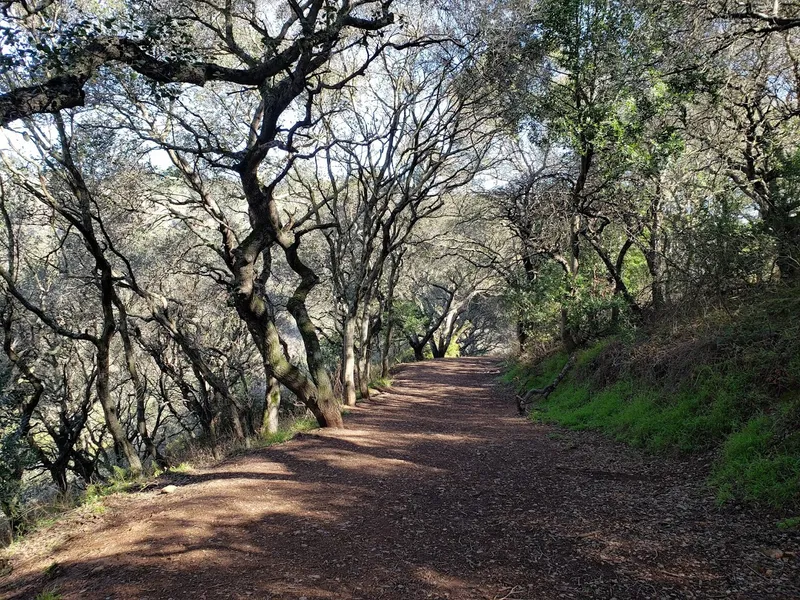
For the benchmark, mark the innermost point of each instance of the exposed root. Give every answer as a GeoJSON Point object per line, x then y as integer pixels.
{"type": "Point", "coordinates": [532, 395]}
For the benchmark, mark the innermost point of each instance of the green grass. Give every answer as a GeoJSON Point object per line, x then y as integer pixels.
{"type": "Point", "coordinates": [121, 481]}
{"type": "Point", "coordinates": [53, 570]}
{"type": "Point", "coordinates": [46, 514]}
{"type": "Point", "coordinates": [287, 432]}
{"type": "Point", "coordinates": [790, 523]}
{"type": "Point", "coordinates": [48, 595]}
{"type": "Point", "coordinates": [759, 463]}
{"type": "Point", "coordinates": [733, 388]}
{"type": "Point", "coordinates": [754, 463]}
{"type": "Point", "coordinates": [183, 467]}
{"type": "Point", "coordinates": [381, 382]}
{"type": "Point", "coordinates": [687, 421]}
{"type": "Point", "coordinates": [524, 377]}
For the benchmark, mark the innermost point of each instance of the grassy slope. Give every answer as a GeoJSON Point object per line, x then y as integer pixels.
{"type": "Point", "coordinates": [728, 382]}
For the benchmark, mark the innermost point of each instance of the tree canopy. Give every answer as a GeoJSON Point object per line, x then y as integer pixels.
{"type": "Point", "coordinates": [220, 212]}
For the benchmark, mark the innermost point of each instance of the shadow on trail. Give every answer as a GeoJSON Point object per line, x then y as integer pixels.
{"type": "Point", "coordinates": [436, 490]}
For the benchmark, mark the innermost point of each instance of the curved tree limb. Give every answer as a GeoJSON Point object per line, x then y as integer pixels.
{"type": "Point", "coordinates": [528, 398]}
{"type": "Point", "coordinates": [67, 89]}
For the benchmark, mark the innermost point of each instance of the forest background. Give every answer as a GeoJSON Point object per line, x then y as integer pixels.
{"type": "Point", "coordinates": [218, 217]}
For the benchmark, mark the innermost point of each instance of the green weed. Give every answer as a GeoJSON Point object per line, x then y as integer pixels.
{"type": "Point", "coordinates": [284, 434]}
{"type": "Point", "coordinates": [121, 481]}
{"type": "Point", "coordinates": [53, 571]}
{"type": "Point", "coordinates": [381, 382]}
{"type": "Point", "coordinates": [790, 523]}
{"type": "Point", "coordinates": [734, 389]}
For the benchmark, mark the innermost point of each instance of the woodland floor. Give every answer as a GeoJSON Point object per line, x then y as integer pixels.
{"type": "Point", "coordinates": [435, 490]}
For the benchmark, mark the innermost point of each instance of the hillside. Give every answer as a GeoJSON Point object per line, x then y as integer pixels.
{"type": "Point", "coordinates": [725, 383]}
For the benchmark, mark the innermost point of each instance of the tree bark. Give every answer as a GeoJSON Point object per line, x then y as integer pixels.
{"type": "Point", "coordinates": [363, 355]}
{"type": "Point", "coordinates": [121, 441]}
{"type": "Point", "coordinates": [138, 386]}
{"type": "Point", "coordinates": [652, 254]}
{"type": "Point", "coordinates": [349, 360]}
{"type": "Point", "coordinates": [272, 403]}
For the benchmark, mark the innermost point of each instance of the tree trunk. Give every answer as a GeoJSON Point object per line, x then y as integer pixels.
{"type": "Point", "coordinates": [389, 316]}
{"type": "Point", "coordinates": [349, 361]}
{"type": "Point", "coordinates": [83, 466]}
{"type": "Point", "coordinates": [522, 336]}
{"type": "Point", "coordinates": [447, 331]}
{"type": "Point", "coordinates": [236, 424]}
{"type": "Point", "coordinates": [386, 348]}
{"type": "Point", "coordinates": [363, 356]}
{"type": "Point", "coordinates": [139, 388]}
{"type": "Point", "coordinates": [570, 333]}
{"type": "Point", "coordinates": [326, 410]}
{"type": "Point", "coordinates": [115, 428]}
{"type": "Point", "coordinates": [368, 366]}
{"type": "Point", "coordinates": [652, 254]}
{"type": "Point", "coordinates": [620, 289]}
{"type": "Point", "coordinates": [272, 402]}
{"type": "Point", "coordinates": [315, 392]}
{"type": "Point", "coordinates": [58, 473]}
{"type": "Point", "coordinates": [319, 399]}
{"type": "Point", "coordinates": [567, 332]}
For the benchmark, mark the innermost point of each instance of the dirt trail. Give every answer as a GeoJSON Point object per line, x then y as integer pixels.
{"type": "Point", "coordinates": [437, 490]}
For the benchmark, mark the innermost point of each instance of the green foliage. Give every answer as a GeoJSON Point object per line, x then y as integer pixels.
{"type": "Point", "coordinates": [589, 305]}
{"type": "Point", "coordinates": [49, 595]}
{"type": "Point", "coordinates": [405, 356]}
{"type": "Point", "coordinates": [287, 432]}
{"type": "Point", "coordinates": [453, 350]}
{"type": "Point", "coordinates": [758, 463]}
{"type": "Point", "coordinates": [536, 303]}
{"type": "Point", "coordinates": [381, 382]}
{"type": "Point", "coordinates": [790, 523]}
{"type": "Point", "coordinates": [739, 397]}
{"type": "Point", "coordinates": [120, 481]}
{"type": "Point", "coordinates": [727, 252]}
{"type": "Point", "coordinates": [410, 317]}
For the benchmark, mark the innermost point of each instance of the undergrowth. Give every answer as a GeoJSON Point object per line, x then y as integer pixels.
{"type": "Point", "coordinates": [380, 382]}
{"type": "Point", "coordinates": [91, 500]}
{"type": "Point", "coordinates": [287, 432]}
{"type": "Point", "coordinates": [727, 383]}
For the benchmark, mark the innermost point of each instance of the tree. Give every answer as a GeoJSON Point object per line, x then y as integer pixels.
{"type": "Point", "coordinates": [759, 145]}
{"type": "Point", "coordinates": [418, 133]}
{"type": "Point", "coordinates": [273, 74]}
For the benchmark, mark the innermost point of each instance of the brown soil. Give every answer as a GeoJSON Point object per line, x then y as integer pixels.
{"type": "Point", "coordinates": [436, 490]}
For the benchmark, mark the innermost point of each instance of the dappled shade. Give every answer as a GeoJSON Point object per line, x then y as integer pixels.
{"type": "Point", "coordinates": [436, 490]}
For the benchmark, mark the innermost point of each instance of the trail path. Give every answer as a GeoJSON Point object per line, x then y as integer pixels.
{"type": "Point", "coordinates": [437, 490]}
